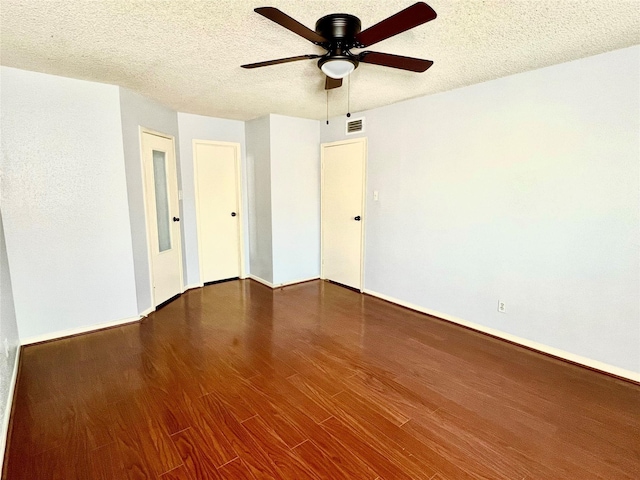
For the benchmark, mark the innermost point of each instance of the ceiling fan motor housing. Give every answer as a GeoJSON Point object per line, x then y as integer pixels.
{"type": "Point", "coordinates": [340, 29]}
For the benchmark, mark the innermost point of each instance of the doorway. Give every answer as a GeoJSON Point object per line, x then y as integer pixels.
{"type": "Point", "coordinates": [162, 215]}
{"type": "Point", "coordinates": [343, 182]}
{"type": "Point", "coordinates": [218, 210]}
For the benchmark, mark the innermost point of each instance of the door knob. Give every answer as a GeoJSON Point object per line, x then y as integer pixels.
{"type": "Point", "coordinates": [233, 214]}
{"type": "Point", "coordinates": [176, 219]}
{"type": "Point", "coordinates": [357, 219]}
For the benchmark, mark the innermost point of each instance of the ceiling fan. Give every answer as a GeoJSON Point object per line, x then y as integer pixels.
{"type": "Point", "coordinates": [338, 33]}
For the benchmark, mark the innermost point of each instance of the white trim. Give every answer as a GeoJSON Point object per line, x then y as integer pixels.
{"type": "Point", "coordinates": [363, 220]}
{"type": "Point", "coordinates": [284, 284]}
{"type": "Point", "coordinates": [75, 331]}
{"type": "Point", "coordinates": [147, 312]}
{"type": "Point", "coordinates": [295, 282]}
{"type": "Point", "coordinates": [7, 409]}
{"type": "Point", "coordinates": [262, 281]}
{"type": "Point", "coordinates": [192, 286]}
{"type": "Point", "coordinates": [141, 130]}
{"type": "Point", "coordinates": [365, 153]}
{"type": "Point", "coordinates": [239, 192]}
{"type": "Point", "coordinates": [556, 352]}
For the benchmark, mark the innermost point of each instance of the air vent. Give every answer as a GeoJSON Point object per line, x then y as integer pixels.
{"type": "Point", "coordinates": [355, 126]}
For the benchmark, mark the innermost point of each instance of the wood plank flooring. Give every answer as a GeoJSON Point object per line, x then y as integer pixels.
{"type": "Point", "coordinates": [313, 381]}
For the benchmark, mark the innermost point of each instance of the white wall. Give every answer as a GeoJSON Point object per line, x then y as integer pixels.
{"type": "Point", "coordinates": [138, 111]}
{"type": "Point", "coordinates": [283, 176]}
{"type": "Point", "coordinates": [9, 334]}
{"type": "Point", "coordinates": [196, 127]}
{"type": "Point", "coordinates": [295, 198]}
{"type": "Point", "coordinates": [259, 198]}
{"type": "Point", "coordinates": [64, 203]}
{"type": "Point", "coordinates": [523, 189]}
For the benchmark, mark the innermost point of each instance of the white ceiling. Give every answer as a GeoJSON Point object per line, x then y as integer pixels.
{"type": "Point", "coordinates": [187, 53]}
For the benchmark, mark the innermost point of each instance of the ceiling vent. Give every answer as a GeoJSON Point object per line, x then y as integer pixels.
{"type": "Point", "coordinates": [355, 126]}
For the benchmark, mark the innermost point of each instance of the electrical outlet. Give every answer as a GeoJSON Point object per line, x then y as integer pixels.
{"type": "Point", "coordinates": [375, 195]}
{"type": "Point", "coordinates": [502, 307]}
{"type": "Point", "coordinates": [6, 348]}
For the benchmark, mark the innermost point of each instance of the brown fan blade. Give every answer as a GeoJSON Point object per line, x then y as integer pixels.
{"type": "Point", "coordinates": [407, 19]}
{"type": "Point", "coordinates": [331, 83]}
{"type": "Point", "coordinates": [280, 60]}
{"type": "Point", "coordinates": [289, 23]}
{"type": "Point", "coordinates": [395, 61]}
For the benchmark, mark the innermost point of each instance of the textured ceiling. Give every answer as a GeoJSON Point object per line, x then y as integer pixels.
{"type": "Point", "coordinates": [187, 54]}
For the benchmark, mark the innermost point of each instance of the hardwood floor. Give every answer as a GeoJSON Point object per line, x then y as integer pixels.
{"type": "Point", "coordinates": [313, 381]}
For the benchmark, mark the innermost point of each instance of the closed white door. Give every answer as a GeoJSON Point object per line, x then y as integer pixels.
{"type": "Point", "coordinates": [163, 221]}
{"type": "Point", "coordinates": [218, 209]}
{"type": "Point", "coordinates": [343, 168]}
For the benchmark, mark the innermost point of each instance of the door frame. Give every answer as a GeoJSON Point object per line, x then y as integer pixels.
{"type": "Point", "coordinates": [363, 141]}
{"type": "Point", "coordinates": [236, 146]}
{"type": "Point", "coordinates": [145, 188]}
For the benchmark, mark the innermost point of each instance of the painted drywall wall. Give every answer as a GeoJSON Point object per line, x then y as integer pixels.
{"type": "Point", "coordinates": [197, 127]}
{"type": "Point", "coordinates": [295, 198]}
{"type": "Point", "coordinates": [64, 203]}
{"type": "Point", "coordinates": [139, 111]}
{"type": "Point", "coordinates": [8, 334]}
{"type": "Point", "coordinates": [522, 189]}
{"type": "Point", "coordinates": [259, 198]}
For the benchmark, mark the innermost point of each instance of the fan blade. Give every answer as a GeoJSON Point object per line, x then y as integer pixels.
{"type": "Point", "coordinates": [289, 23]}
{"type": "Point", "coordinates": [395, 61]}
{"type": "Point", "coordinates": [407, 19]}
{"type": "Point", "coordinates": [331, 83]}
{"type": "Point", "coordinates": [280, 60]}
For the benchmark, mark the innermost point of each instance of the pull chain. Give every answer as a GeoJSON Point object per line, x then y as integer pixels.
{"type": "Point", "coordinates": [348, 96]}
{"type": "Point", "coordinates": [327, 106]}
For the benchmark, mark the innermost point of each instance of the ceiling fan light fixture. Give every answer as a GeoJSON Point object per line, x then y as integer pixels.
{"type": "Point", "coordinates": [337, 68]}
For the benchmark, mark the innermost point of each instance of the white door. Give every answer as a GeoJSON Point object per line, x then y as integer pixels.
{"type": "Point", "coordinates": [343, 168]}
{"type": "Point", "coordinates": [217, 178]}
{"type": "Point", "coordinates": [163, 217]}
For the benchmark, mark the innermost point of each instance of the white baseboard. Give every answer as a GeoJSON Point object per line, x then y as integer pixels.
{"type": "Point", "coordinates": [184, 289]}
{"type": "Point", "coordinates": [76, 331]}
{"type": "Point", "coordinates": [262, 281]}
{"type": "Point", "coordinates": [556, 352]}
{"type": "Point", "coordinates": [191, 286]}
{"type": "Point", "coordinates": [7, 410]}
{"type": "Point", "coordinates": [302, 280]}
{"type": "Point", "coordinates": [284, 284]}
